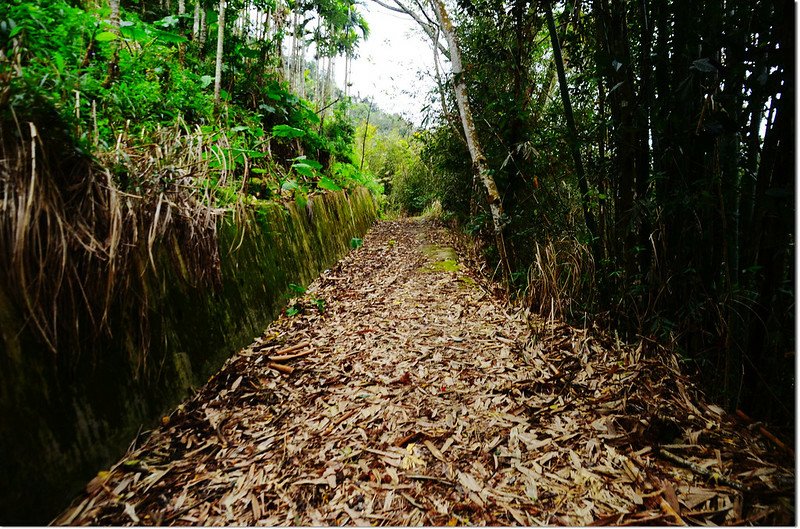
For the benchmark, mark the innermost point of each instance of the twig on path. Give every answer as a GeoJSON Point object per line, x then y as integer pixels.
{"type": "Point", "coordinates": [410, 500]}
{"type": "Point", "coordinates": [407, 439]}
{"type": "Point", "coordinates": [339, 420]}
{"type": "Point", "coordinates": [284, 358]}
{"type": "Point", "coordinates": [430, 478]}
{"type": "Point", "coordinates": [669, 511]}
{"type": "Point", "coordinates": [766, 433]}
{"type": "Point", "coordinates": [294, 348]}
{"type": "Point", "coordinates": [280, 367]}
{"type": "Point", "coordinates": [697, 469]}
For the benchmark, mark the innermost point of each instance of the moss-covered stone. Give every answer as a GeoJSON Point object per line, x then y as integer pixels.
{"type": "Point", "coordinates": [442, 259]}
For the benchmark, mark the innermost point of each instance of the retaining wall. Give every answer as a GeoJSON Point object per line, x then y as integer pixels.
{"type": "Point", "coordinates": [59, 427]}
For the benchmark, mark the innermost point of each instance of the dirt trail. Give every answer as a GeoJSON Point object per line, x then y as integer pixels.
{"type": "Point", "coordinates": [419, 399]}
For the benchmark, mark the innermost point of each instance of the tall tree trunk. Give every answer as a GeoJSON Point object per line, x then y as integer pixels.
{"type": "Point", "coordinates": [220, 42]}
{"type": "Point", "coordinates": [201, 38]}
{"type": "Point", "coordinates": [643, 131]}
{"type": "Point", "coordinates": [473, 144]}
{"type": "Point", "coordinates": [574, 147]}
{"type": "Point", "coordinates": [196, 20]}
{"type": "Point", "coordinates": [617, 69]}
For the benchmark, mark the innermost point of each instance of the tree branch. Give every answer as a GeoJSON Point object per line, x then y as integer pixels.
{"type": "Point", "coordinates": [430, 29]}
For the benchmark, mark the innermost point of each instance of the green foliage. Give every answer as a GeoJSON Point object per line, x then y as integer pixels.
{"type": "Point", "coordinates": [340, 135]}
{"type": "Point", "coordinates": [134, 83]}
{"type": "Point", "coordinates": [285, 131]}
{"type": "Point", "coordinates": [356, 243]}
{"type": "Point", "coordinates": [297, 289]}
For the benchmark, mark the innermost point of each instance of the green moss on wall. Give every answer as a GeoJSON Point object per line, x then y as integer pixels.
{"type": "Point", "coordinates": [59, 424]}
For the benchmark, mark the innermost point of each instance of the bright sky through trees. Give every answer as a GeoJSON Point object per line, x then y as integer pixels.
{"type": "Point", "coordinates": [387, 68]}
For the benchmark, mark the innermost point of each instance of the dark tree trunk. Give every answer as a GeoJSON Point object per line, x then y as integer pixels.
{"type": "Point", "coordinates": [574, 145]}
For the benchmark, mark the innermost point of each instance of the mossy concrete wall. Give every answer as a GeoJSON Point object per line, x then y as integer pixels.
{"type": "Point", "coordinates": [59, 427]}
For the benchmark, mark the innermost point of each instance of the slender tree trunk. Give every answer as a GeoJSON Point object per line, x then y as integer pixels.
{"type": "Point", "coordinates": [440, 84]}
{"type": "Point", "coordinates": [220, 42]}
{"type": "Point", "coordinates": [473, 144]}
{"type": "Point", "coordinates": [181, 26]}
{"type": "Point", "coordinates": [574, 147]}
{"type": "Point", "coordinates": [203, 29]}
{"type": "Point", "coordinates": [196, 20]}
{"type": "Point", "coordinates": [544, 92]}
{"type": "Point", "coordinates": [346, 72]}
{"type": "Point", "coordinates": [114, 18]}
{"type": "Point", "coordinates": [643, 130]}
{"type": "Point", "coordinates": [364, 141]}
{"type": "Point", "coordinates": [113, 64]}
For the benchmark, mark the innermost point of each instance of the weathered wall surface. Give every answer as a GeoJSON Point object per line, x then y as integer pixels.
{"type": "Point", "coordinates": [59, 427]}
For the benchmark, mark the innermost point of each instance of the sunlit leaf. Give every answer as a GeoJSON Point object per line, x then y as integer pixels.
{"type": "Point", "coordinates": [327, 183]}
{"type": "Point", "coordinates": [105, 36]}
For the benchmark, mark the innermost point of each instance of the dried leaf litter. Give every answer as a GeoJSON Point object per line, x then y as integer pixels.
{"type": "Point", "coordinates": [403, 393]}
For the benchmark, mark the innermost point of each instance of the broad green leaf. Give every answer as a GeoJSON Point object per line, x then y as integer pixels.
{"type": "Point", "coordinates": [166, 36]}
{"type": "Point", "coordinates": [169, 21]}
{"type": "Point", "coordinates": [298, 289]}
{"type": "Point", "coordinates": [704, 65]}
{"type": "Point", "coordinates": [289, 185]}
{"type": "Point", "coordinates": [303, 169]}
{"type": "Point", "coordinates": [285, 131]}
{"type": "Point", "coordinates": [105, 36]}
{"type": "Point", "coordinates": [312, 163]}
{"type": "Point", "coordinates": [327, 183]}
{"type": "Point", "coordinates": [135, 33]}
{"type": "Point", "coordinates": [250, 153]}
{"type": "Point", "coordinates": [206, 80]}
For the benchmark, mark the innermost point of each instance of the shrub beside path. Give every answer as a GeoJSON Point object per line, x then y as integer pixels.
{"type": "Point", "coordinates": [401, 392]}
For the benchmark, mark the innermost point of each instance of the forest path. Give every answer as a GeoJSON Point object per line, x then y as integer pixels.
{"type": "Point", "coordinates": [416, 398]}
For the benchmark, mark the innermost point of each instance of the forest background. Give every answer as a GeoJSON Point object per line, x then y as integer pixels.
{"type": "Point", "coordinates": [643, 153]}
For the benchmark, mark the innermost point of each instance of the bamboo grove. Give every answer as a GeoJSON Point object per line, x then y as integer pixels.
{"type": "Point", "coordinates": [644, 155]}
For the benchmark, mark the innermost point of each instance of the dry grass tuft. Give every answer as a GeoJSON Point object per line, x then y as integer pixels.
{"type": "Point", "coordinates": [561, 280]}
{"type": "Point", "coordinates": [77, 243]}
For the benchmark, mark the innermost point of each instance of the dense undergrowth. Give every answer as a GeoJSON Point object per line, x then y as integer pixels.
{"type": "Point", "coordinates": [113, 144]}
{"type": "Point", "coordinates": [680, 126]}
